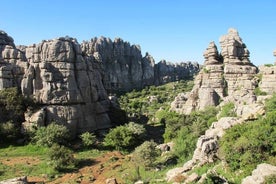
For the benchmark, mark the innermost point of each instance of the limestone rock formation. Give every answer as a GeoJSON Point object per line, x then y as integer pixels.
{"type": "Point", "coordinates": [71, 83]}
{"type": "Point", "coordinates": [259, 174]}
{"type": "Point", "coordinates": [168, 72]}
{"type": "Point", "coordinates": [18, 180]}
{"type": "Point", "coordinates": [13, 62]}
{"type": "Point", "coordinates": [222, 74]}
{"type": "Point", "coordinates": [268, 79]}
{"type": "Point", "coordinates": [125, 68]}
{"type": "Point", "coordinates": [68, 86]}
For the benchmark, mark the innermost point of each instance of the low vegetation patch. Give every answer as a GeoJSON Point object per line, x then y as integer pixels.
{"type": "Point", "coordinates": [247, 145]}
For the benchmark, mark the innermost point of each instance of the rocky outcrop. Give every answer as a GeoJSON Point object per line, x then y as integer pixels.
{"type": "Point", "coordinates": [268, 79]}
{"type": "Point", "coordinates": [222, 74]}
{"type": "Point", "coordinates": [259, 174]}
{"type": "Point", "coordinates": [19, 180]}
{"type": "Point", "coordinates": [168, 72]}
{"type": "Point", "coordinates": [71, 83]}
{"type": "Point", "coordinates": [12, 63]}
{"type": "Point", "coordinates": [68, 86]}
{"type": "Point", "coordinates": [125, 68]}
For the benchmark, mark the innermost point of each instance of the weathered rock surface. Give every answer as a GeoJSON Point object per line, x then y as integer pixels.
{"type": "Point", "coordinates": [67, 84]}
{"type": "Point", "coordinates": [268, 79]}
{"type": "Point", "coordinates": [228, 76]}
{"type": "Point", "coordinates": [259, 174]}
{"type": "Point", "coordinates": [19, 180]}
{"type": "Point", "coordinates": [12, 62]}
{"type": "Point", "coordinates": [71, 82]}
{"type": "Point", "coordinates": [125, 68]}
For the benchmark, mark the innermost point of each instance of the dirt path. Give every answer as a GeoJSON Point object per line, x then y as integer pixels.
{"type": "Point", "coordinates": [95, 171]}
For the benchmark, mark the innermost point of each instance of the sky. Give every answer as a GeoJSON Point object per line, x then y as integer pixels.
{"type": "Point", "coordinates": [174, 30]}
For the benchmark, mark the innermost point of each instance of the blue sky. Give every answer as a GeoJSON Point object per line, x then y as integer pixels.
{"type": "Point", "coordinates": [175, 30]}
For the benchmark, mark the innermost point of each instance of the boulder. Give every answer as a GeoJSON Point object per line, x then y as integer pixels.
{"type": "Point", "coordinates": [19, 180]}
{"type": "Point", "coordinates": [258, 175]}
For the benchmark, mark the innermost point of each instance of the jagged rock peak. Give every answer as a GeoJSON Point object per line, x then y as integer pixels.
{"type": "Point", "coordinates": [233, 50]}
{"type": "Point", "coordinates": [211, 54]}
{"type": "Point", "coordinates": [228, 76]}
{"type": "Point", "coordinates": [5, 39]}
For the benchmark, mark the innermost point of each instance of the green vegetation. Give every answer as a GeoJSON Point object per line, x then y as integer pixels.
{"type": "Point", "coordinates": [228, 110]}
{"type": "Point", "coordinates": [141, 106]}
{"type": "Point", "coordinates": [61, 158]}
{"type": "Point", "coordinates": [269, 65]}
{"type": "Point", "coordinates": [11, 114]}
{"type": "Point", "coordinates": [50, 135]}
{"type": "Point", "coordinates": [125, 137]}
{"type": "Point", "coordinates": [259, 92]}
{"type": "Point", "coordinates": [188, 129]}
{"type": "Point", "coordinates": [146, 154]}
{"type": "Point", "coordinates": [247, 145]}
{"type": "Point", "coordinates": [88, 139]}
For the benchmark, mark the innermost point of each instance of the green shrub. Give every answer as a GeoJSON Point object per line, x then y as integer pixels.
{"type": "Point", "coordinates": [146, 154]}
{"type": "Point", "coordinates": [270, 179]}
{"type": "Point", "coordinates": [11, 106]}
{"type": "Point", "coordinates": [50, 135]}
{"type": "Point", "coordinates": [88, 139]}
{"type": "Point", "coordinates": [137, 130]}
{"type": "Point", "coordinates": [185, 144]}
{"type": "Point", "coordinates": [228, 110]}
{"type": "Point", "coordinates": [247, 145]}
{"type": "Point", "coordinates": [120, 138]}
{"type": "Point", "coordinates": [259, 92]}
{"type": "Point", "coordinates": [61, 158]}
{"type": "Point", "coordinates": [8, 131]}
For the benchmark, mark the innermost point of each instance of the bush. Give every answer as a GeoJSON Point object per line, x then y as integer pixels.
{"type": "Point", "coordinates": [146, 154]}
{"type": "Point", "coordinates": [185, 144]}
{"type": "Point", "coordinates": [228, 110]}
{"type": "Point", "coordinates": [52, 134]}
{"type": "Point", "coordinates": [11, 106]}
{"type": "Point", "coordinates": [61, 158]}
{"type": "Point", "coordinates": [138, 130]}
{"type": "Point", "coordinates": [119, 138]}
{"type": "Point", "coordinates": [247, 145]}
{"type": "Point", "coordinates": [8, 131]}
{"type": "Point", "coordinates": [88, 139]}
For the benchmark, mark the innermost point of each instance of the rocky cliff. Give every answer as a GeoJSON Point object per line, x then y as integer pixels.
{"type": "Point", "coordinates": [228, 76]}
{"type": "Point", "coordinates": [71, 82]}
{"type": "Point", "coordinates": [125, 68]}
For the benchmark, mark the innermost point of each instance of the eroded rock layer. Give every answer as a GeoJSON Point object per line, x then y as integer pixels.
{"type": "Point", "coordinates": [228, 76]}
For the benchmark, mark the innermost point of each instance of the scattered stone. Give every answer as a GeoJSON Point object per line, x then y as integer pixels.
{"type": "Point", "coordinates": [259, 174]}
{"type": "Point", "coordinates": [192, 178]}
{"type": "Point", "coordinates": [19, 180]}
{"type": "Point", "coordinates": [111, 181]}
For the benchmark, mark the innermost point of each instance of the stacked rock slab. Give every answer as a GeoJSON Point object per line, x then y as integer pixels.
{"type": "Point", "coordinates": [239, 72]}
{"type": "Point", "coordinates": [268, 78]}
{"type": "Point", "coordinates": [67, 84]}
{"type": "Point", "coordinates": [12, 62]}
{"type": "Point", "coordinates": [227, 73]}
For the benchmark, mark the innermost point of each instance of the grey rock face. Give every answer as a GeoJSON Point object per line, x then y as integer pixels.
{"type": "Point", "coordinates": [13, 62]}
{"type": "Point", "coordinates": [228, 76]}
{"type": "Point", "coordinates": [268, 81]}
{"type": "Point", "coordinates": [259, 174]}
{"type": "Point", "coordinates": [19, 180]}
{"type": "Point", "coordinates": [68, 85]}
{"type": "Point", "coordinates": [125, 68]}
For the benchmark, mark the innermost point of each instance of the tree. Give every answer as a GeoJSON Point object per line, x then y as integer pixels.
{"type": "Point", "coordinates": [146, 154]}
